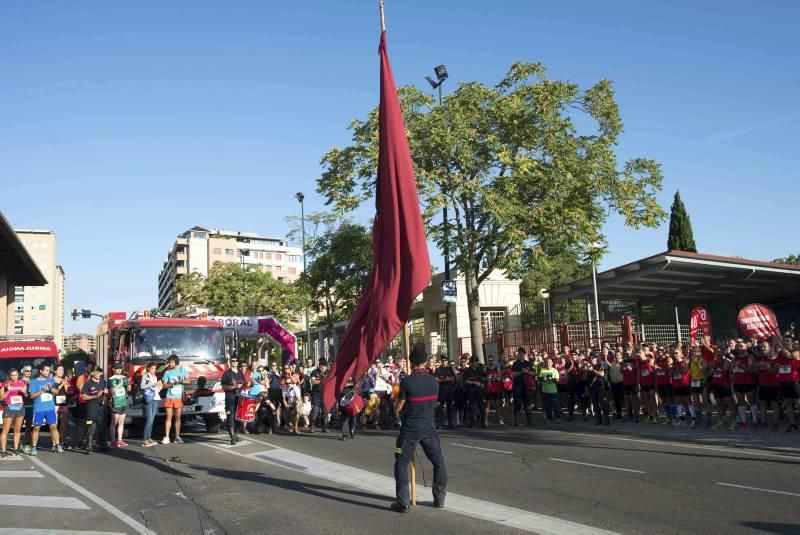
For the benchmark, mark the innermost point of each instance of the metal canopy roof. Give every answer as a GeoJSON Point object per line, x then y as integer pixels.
{"type": "Point", "coordinates": [697, 278]}
{"type": "Point", "coordinates": [16, 263]}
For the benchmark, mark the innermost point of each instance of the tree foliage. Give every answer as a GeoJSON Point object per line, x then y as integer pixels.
{"type": "Point", "coordinates": [792, 259]}
{"type": "Point", "coordinates": [233, 290]}
{"type": "Point", "coordinates": [681, 236]}
{"type": "Point", "coordinates": [69, 359]}
{"type": "Point", "coordinates": [513, 167]}
{"type": "Point", "coordinates": [341, 260]}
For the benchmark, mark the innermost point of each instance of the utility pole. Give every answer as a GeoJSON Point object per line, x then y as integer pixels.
{"type": "Point", "coordinates": [300, 198]}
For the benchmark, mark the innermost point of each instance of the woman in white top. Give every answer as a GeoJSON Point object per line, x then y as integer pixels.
{"type": "Point", "coordinates": [151, 387]}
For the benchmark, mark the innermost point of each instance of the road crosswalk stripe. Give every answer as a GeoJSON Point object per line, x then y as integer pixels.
{"type": "Point", "coordinates": [57, 502]}
{"type": "Point", "coordinates": [19, 473]}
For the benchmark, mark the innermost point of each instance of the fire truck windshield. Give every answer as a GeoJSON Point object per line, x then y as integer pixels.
{"type": "Point", "coordinates": [189, 343]}
{"type": "Point", "coordinates": [23, 362]}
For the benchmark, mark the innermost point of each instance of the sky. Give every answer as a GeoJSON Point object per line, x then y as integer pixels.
{"type": "Point", "coordinates": [123, 124]}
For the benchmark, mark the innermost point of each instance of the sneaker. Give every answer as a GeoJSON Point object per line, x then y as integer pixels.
{"type": "Point", "coordinates": [148, 444]}
{"type": "Point", "coordinates": [178, 440]}
{"type": "Point", "coordinates": [59, 448]}
{"type": "Point", "coordinates": [717, 425]}
{"type": "Point", "coordinates": [732, 426]}
{"type": "Point", "coordinates": [165, 440]}
{"type": "Point", "coordinates": [88, 450]}
{"type": "Point", "coordinates": [26, 448]}
{"type": "Point", "coordinates": [33, 452]}
{"type": "Point", "coordinates": [115, 444]}
{"type": "Point", "coordinates": [742, 426]}
{"type": "Point", "coordinates": [121, 444]}
{"type": "Point", "coordinates": [791, 428]}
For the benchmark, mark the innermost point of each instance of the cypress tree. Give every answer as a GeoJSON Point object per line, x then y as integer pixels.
{"type": "Point", "coordinates": [681, 237]}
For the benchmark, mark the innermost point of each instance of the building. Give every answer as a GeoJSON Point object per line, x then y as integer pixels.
{"type": "Point", "coordinates": [35, 310]}
{"type": "Point", "coordinates": [197, 249]}
{"type": "Point", "coordinates": [84, 342]}
{"type": "Point", "coordinates": [18, 270]}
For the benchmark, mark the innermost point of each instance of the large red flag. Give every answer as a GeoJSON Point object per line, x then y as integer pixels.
{"type": "Point", "coordinates": [401, 267]}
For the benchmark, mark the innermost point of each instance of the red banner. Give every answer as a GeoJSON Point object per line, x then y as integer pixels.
{"type": "Point", "coordinates": [700, 319]}
{"type": "Point", "coordinates": [758, 322]}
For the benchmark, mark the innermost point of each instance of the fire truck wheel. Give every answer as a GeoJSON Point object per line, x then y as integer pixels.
{"type": "Point", "coordinates": [213, 424]}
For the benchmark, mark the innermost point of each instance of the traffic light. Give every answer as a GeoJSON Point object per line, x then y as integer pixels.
{"type": "Point", "coordinates": [86, 314]}
{"type": "Point", "coordinates": [75, 314]}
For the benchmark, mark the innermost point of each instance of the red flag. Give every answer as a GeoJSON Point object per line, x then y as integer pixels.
{"type": "Point", "coordinates": [401, 267]}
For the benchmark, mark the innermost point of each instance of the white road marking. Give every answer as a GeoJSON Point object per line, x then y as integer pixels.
{"type": "Point", "coordinates": [760, 489]}
{"type": "Point", "coordinates": [28, 531]}
{"type": "Point", "coordinates": [19, 473]}
{"type": "Point", "coordinates": [482, 449]}
{"type": "Point", "coordinates": [692, 446]}
{"type": "Point", "coordinates": [237, 445]}
{"type": "Point", "coordinates": [57, 502]}
{"type": "Point", "coordinates": [138, 527]}
{"type": "Point", "coordinates": [597, 465]}
{"type": "Point", "coordinates": [14, 458]}
{"type": "Point", "coordinates": [384, 485]}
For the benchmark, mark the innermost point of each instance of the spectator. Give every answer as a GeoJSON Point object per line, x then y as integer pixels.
{"type": "Point", "coordinates": [548, 377]}
{"type": "Point", "coordinates": [616, 380]}
{"type": "Point", "coordinates": [150, 387]}
{"type": "Point", "coordinates": [92, 391]}
{"type": "Point", "coordinates": [174, 377]}
{"type": "Point", "coordinates": [119, 387]}
{"type": "Point", "coordinates": [40, 391]}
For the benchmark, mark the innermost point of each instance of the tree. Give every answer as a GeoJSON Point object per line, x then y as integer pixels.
{"type": "Point", "coordinates": [792, 259]}
{"type": "Point", "coordinates": [512, 167]}
{"type": "Point", "coordinates": [341, 260]}
{"type": "Point", "coordinates": [553, 269]}
{"type": "Point", "coordinates": [233, 290]}
{"type": "Point", "coordinates": [69, 359]}
{"type": "Point", "coordinates": [681, 237]}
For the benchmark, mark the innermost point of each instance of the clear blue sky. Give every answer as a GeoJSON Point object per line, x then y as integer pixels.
{"type": "Point", "coordinates": [122, 126]}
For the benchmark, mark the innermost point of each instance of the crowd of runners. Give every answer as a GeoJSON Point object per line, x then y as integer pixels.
{"type": "Point", "coordinates": [740, 384]}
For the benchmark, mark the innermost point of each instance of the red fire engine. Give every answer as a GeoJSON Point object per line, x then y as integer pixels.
{"type": "Point", "coordinates": [199, 343]}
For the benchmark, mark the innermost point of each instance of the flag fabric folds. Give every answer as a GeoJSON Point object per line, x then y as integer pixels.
{"type": "Point", "coordinates": [401, 267]}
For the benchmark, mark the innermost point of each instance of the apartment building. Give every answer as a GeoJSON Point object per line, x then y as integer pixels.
{"type": "Point", "coordinates": [38, 311]}
{"type": "Point", "coordinates": [199, 248]}
{"type": "Point", "coordinates": [82, 341]}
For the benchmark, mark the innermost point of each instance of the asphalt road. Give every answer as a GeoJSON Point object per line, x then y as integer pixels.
{"type": "Point", "coordinates": [570, 479]}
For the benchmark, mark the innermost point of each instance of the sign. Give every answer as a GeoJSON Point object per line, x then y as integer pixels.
{"type": "Point", "coordinates": [758, 322]}
{"type": "Point", "coordinates": [449, 291]}
{"type": "Point", "coordinates": [244, 325]}
{"type": "Point", "coordinates": [699, 320]}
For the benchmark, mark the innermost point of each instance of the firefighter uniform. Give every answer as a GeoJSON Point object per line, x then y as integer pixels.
{"type": "Point", "coordinates": [420, 391]}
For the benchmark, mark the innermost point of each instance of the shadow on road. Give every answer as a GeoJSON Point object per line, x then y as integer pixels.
{"type": "Point", "coordinates": [772, 527]}
{"type": "Point", "coordinates": [321, 491]}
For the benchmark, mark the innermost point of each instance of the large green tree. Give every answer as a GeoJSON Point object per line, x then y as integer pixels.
{"type": "Point", "coordinates": [514, 167]}
{"type": "Point", "coordinates": [233, 290]}
{"type": "Point", "coordinates": [681, 237]}
{"type": "Point", "coordinates": [340, 262]}
{"type": "Point", "coordinates": [793, 259]}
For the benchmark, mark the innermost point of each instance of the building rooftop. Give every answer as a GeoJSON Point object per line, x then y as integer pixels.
{"type": "Point", "coordinates": [15, 261]}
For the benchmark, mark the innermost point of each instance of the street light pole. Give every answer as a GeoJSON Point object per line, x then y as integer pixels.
{"type": "Point", "coordinates": [441, 76]}
{"type": "Point", "coordinates": [300, 198]}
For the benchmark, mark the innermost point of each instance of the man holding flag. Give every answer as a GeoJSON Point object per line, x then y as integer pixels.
{"type": "Point", "coordinates": [401, 264]}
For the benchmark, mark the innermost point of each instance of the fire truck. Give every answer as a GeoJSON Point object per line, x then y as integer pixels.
{"type": "Point", "coordinates": [143, 338]}
{"type": "Point", "coordinates": [33, 353]}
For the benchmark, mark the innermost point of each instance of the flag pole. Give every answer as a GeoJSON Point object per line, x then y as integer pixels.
{"type": "Point", "coordinates": [383, 21]}
{"type": "Point", "coordinates": [406, 342]}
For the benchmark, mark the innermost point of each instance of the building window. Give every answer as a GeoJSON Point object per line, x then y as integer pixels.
{"type": "Point", "coordinates": [267, 268]}
{"type": "Point", "coordinates": [281, 278]}
{"type": "Point", "coordinates": [18, 329]}
{"type": "Point", "coordinates": [228, 252]}
{"type": "Point", "coordinates": [293, 258]}
{"type": "Point", "coordinates": [492, 322]}
{"type": "Point", "coordinates": [268, 256]}
{"type": "Point", "coordinates": [199, 235]}
{"type": "Point", "coordinates": [216, 250]}
{"type": "Point", "coordinates": [20, 309]}
{"type": "Point", "coordinates": [278, 268]}
{"type": "Point", "coordinates": [292, 271]}
{"type": "Point", "coordinates": [277, 256]}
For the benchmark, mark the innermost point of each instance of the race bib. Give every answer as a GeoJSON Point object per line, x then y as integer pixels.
{"type": "Point", "coordinates": [661, 372]}
{"type": "Point", "coordinates": [46, 397]}
{"type": "Point", "coordinates": [697, 384]}
{"type": "Point", "coordinates": [645, 373]}
{"type": "Point", "coordinates": [15, 400]}
{"type": "Point", "coordinates": [60, 400]}
{"type": "Point", "coordinates": [738, 370]}
{"type": "Point", "coordinates": [717, 373]}
{"type": "Point", "coordinates": [677, 376]}
{"type": "Point", "coordinates": [784, 369]}
{"type": "Point", "coordinates": [176, 390]}
{"type": "Point", "coordinates": [118, 391]}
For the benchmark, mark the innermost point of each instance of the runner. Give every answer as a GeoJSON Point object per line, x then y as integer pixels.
{"type": "Point", "coordinates": [788, 379]}
{"type": "Point", "coordinates": [523, 394]}
{"type": "Point", "coordinates": [232, 382]}
{"type": "Point", "coordinates": [744, 384]}
{"type": "Point", "coordinates": [630, 385]}
{"type": "Point", "coordinates": [27, 372]}
{"type": "Point", "coordinates": [12, 393]}
{"type": "Point", "coordinates": [118, 387]}
{"type": "Point", "coordinates": [494, 391]}
{"type": "Point", "coordinates": [697, 375]}
{"type": "Point", "coordinates": [150, 387]}
{"type": "Point", "coordinates": [474, 381]}
{"type": "Point", "coordinates": [721, 387]}
{"type": "Point", "coordinates": [507, 380]}
{"type": "Point", "coordinates": [665, 401]}
{"type": "Point", "coordinates": [767, 367]}
{"type": "Point", "coordinates": [174, 377]}
{"type": "Point", "coordinates": [63, 379]}
{"type": "Point", "coordinates": [92, 393]}
{"type": "Point", "coordinates": [681, 382]}
{"type": "Point", "coordinates": [40, 390]}
{"type": "Point", "coordinates": [548, 378]}
{"type": "Point", "coordinates": [647, 385]}
{"type": "Point", "coordinates": [79, 412]}
{"type": "Point", "coordinates": [445, 375]}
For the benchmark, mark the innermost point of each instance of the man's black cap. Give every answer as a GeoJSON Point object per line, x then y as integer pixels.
{"type": "Point", "coordinates": [323, 361]}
